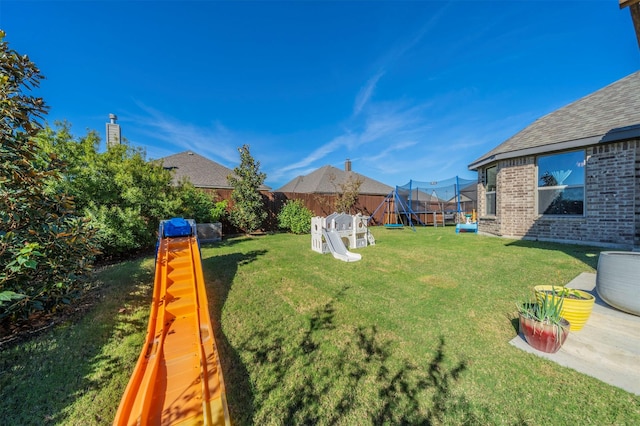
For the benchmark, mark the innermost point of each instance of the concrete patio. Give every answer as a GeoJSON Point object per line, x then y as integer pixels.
{"type": "Point", "coordinates": [607, 348]}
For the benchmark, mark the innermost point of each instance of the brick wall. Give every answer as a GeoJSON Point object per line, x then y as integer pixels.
{"type": "Point", "coordinates": [516, 185]}
{"type": "Point", "coordinates": [610, 192]}
{"type": "Point", "coordinates": [637, 206]}
{"type": "Point", "coordinates": [612, 200]}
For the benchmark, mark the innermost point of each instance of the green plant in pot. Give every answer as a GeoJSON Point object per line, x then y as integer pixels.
{"type": "Point", "coordinates": [542, 324]}
{"type": "Point", "coordinates": [577, 304]}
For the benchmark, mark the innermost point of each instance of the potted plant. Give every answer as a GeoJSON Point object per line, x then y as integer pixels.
{"type": "Point", "coordinates": [577, 304]}
{"type": "Point", "coordinates": [542, 324]}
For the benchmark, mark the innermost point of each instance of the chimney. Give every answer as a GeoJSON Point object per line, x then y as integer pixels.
{"type": "Point", "coordinates": [347, 165]}
{"type": "Point", "coordinates": [114, 134]}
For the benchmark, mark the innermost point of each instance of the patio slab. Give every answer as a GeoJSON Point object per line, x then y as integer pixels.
{"type": "Point", "coordinates": [607, 348]}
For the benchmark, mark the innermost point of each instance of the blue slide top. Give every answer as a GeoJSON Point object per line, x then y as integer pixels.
{"type": "Point", "coordinates": [177, 227]}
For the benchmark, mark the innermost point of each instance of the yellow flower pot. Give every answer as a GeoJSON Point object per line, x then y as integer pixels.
{"type": "Point", "coordinates": [575, 310]}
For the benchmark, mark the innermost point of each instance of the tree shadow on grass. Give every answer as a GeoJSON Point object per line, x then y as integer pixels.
{"type": "Point", "coordinates": [42, 377]}
{"type": "Point", "coordinates": [219, 273]}
{"type": "Point", "coordinates": [307, 380]}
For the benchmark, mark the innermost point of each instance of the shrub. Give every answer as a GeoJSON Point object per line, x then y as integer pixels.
{"type": "Point", "coordinates": [196, 204]}
{"type": "Point", "coordinates": [124, 195]}
{"type": "Point", "coordinates": [193, 203]}
{"type": "Point", "coordinates": [295, 217]}
{"type": "Point", "coordinates": [45, 247]}
{"type": "Point", "coordinates": [219, 211]}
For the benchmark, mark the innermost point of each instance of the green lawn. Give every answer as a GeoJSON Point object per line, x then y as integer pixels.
{"type": "Point", "coordinates": [416, 332]}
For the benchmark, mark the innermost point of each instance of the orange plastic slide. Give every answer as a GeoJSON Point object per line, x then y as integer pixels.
{"type": "Point", "coordinates": [177, 379]}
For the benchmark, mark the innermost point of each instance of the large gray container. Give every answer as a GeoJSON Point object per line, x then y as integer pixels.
{"type": "Point", "coordinates": [618, 280]}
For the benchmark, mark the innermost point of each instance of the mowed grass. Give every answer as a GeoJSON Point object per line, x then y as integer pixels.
{"type": "Point", "coordinates": [416, 332]}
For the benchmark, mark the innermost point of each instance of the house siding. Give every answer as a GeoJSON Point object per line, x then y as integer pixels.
{"type": "Point", "coordinates": [612, 200]}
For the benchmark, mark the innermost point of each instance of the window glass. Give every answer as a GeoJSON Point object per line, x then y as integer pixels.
{"type": "Point", "coordinates": [561, 184]}
{"type": "Point", "coordinates": [490, 193]}
{"type": "Point", "coordinates": [561, 169]}
{"type": "Point", "coordinates": [491, 203]}
{"type": "Point", "coordinates": [491, 178]}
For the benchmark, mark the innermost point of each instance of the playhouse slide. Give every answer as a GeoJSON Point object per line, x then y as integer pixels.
{"type": "Point", "coordinates": [177, 379]}
{"type": "Point", "coordinates": [337, 247]}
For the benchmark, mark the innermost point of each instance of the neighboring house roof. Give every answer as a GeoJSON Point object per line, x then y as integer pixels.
{"type": "Point", "coordinates": [609, 114]}
{"type": "Point", "coordinates": [326, 180]}
{"type": "Point", "coordinates": [200, 171]}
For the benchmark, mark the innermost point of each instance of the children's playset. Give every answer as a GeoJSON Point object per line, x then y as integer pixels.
{"type": "Point", "coordinates": [338, 232]}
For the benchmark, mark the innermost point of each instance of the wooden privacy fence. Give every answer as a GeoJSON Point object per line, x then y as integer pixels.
{"type": "Point", "coordinates": [319, 204]}
{"type": "Point", "coordinates": [324, 204]}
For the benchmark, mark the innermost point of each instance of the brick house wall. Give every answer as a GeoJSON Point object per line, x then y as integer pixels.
{"type": "Point", "coordinates": [637, 198]}
{"type": "Point", "coordinates": [612, 200]}
{"type": "Point", "coordinates": [517, 181]}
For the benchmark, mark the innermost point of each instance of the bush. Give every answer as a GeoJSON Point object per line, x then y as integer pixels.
{"type": "Point", "coordinates": [295, 217]}
{"type": "Point", "coordinates": [219, 211]}
{"type": "Point", "coordinates": [46, 249]}
{"type": "Point", "coordinates": [192, 203]}
{"type": "Point", "coordinates": [124, 195]}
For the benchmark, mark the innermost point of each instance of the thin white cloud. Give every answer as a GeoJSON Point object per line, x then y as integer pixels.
{"type": "Point", "coordinates": [379, 130]}
{"type": "Point", "coordinates": [383, 156]}
{"type": "Point", "coordinates": [394, 55]}
{"type": "Point", "coordinates": [215, 141]}
{"type": "Point", "coordinates": [380, 122]}
{"type": "Point", "coordinates": [365, 93]}
{"type": "Point", "coordinates": [323, 151]}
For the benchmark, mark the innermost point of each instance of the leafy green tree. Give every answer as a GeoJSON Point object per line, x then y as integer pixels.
{"type": "Point", "coordinates": [295, 217]}
{"type": "Point", "coordinates": [248, 211]}
{"type": "Point", "coordinates": [123, 194]}
{"type": "Point", "coordinates": [46, 249]}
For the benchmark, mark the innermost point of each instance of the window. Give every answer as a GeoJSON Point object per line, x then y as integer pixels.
{"type": "Point", "coordinates": [491, 174]}
{"type": "Point", "coordinates": [561, 184]}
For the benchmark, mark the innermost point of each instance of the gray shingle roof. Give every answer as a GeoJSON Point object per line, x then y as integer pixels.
{"type": "Point", "coordinates": [326, 180]}
{"type": "Point", "coordinates": [580, 123]}
{"type": "Point", "coordinates": [202, 172]}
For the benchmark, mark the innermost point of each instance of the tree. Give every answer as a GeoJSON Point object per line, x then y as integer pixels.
{"type": "Point", "coordinates": [348, 192]}
{"type": "Point", "coordinates": [248, 211]}
{"type": "Point", "coordinates": [46, 249]}
{"type": "Point", "coordinates": [124, 195]}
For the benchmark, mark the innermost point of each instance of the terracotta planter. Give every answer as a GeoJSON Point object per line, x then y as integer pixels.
{"type": "Point", "coordinates": [618, 280]}
{"type": "Point", "coordinates": [544, 337]}
{"type": "Point", "coordinates": [576, 311]}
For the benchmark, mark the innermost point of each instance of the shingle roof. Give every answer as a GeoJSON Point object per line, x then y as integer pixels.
{"type": "Point", "coordinates": [582, 122]}
{"type": "Point", "coordinates": [326, 180]}
{"type": "Point", "coordinates": [202, 172]}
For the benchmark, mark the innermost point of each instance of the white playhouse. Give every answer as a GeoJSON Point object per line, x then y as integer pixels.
{"type": "Point", "coordinates": [339, 231]}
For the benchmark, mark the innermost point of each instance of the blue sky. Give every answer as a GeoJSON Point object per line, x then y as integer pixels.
{"type": "Point", "coordinates": [406, 90]}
